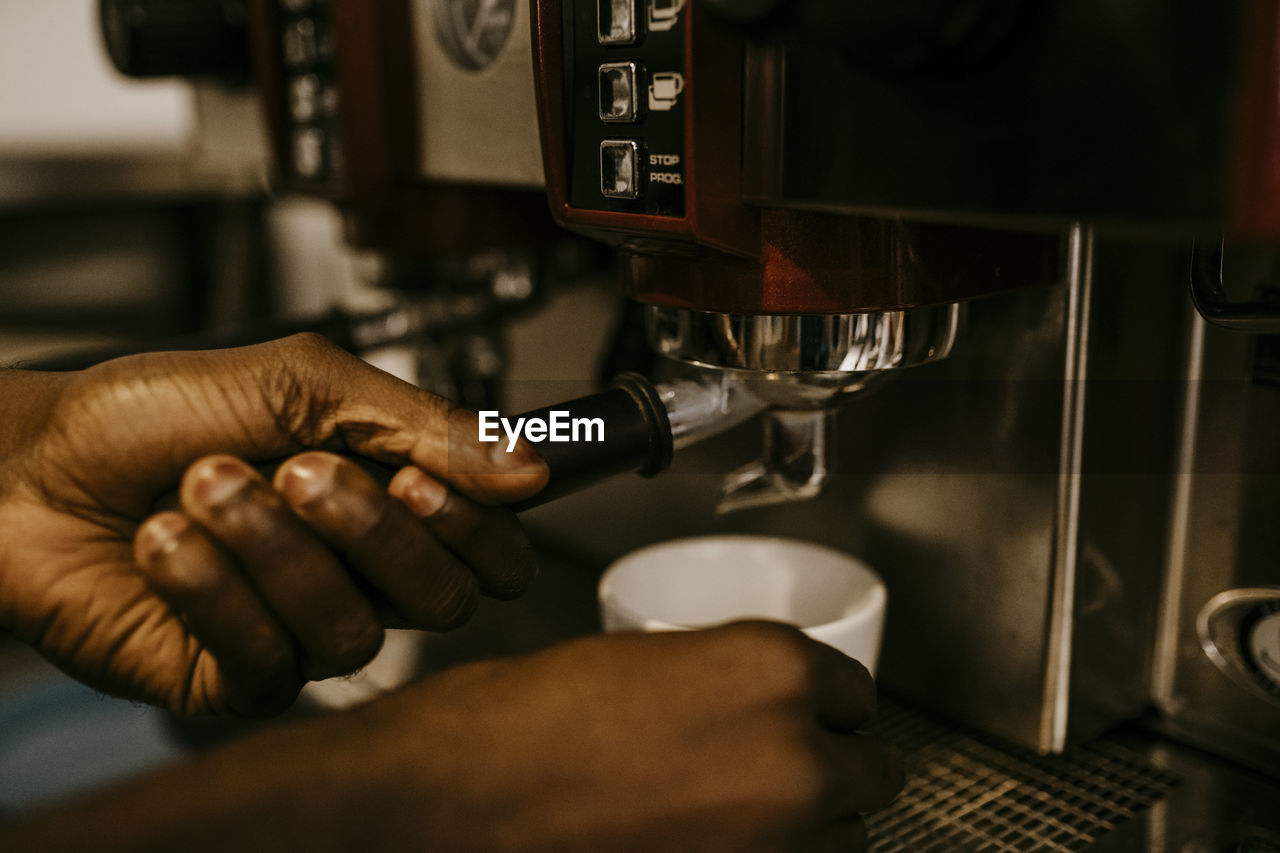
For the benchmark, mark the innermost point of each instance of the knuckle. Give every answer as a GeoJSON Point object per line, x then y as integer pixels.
{"type": "Point", "coordinates": [465, 526]}
{"type": "Point", "coordinates": [354, 643]}
{"type": "Point", "coordinates": [800, 778]}
{"type": "Point", "coordinates": [194, 578]}
{"type": "Point", "coordinates": [784, 658]}
{"type": "Point", "coordinates": [808, 768]}
{"type": "Point", "coordinates": [309, 343]}
{"type": "Point", "coordinates": [272, 654]}
{"type": "Point", "coordinates": [179, 563]}
{"type": "Point", "coordinates": [516, 578]}
{"type": "Point", "coordinates": [455, 607]}
{"type": "Point", "coordinates": [806, 783]}
{"type": "Point", "coordinates": [774, 637]}
{"type": "Point", "coordinates": [310, 458]}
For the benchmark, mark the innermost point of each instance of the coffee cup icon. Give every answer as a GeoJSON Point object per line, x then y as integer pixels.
{"type": "Point", "coordinates": [664, 89]}
{"type": "Point", "coordinates": [664, 14]}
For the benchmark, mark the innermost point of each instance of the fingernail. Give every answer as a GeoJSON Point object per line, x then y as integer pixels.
{"type": "Point", "coordinates": [160, 534]}
{"type": "Point", "coordinates": [424, 496]}
{"type": "Point", "coordinates": [521, 459]}
{"type": "Point", "coordinates": [219, 482]}
{"type": "Point", "coordinates": [309, 479]}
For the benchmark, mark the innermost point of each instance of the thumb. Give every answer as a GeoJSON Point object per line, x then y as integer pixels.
{"type": "Point", "coordinates": [336, 401]}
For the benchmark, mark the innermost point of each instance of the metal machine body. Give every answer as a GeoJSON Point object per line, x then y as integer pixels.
{"type": "Point", "coordinates": [1217, 682]}
{"type": "Point", "coordinates": [791, 160]}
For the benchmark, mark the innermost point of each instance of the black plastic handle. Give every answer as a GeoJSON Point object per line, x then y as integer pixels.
{"type": "Point", "coordinates": [635, 435]}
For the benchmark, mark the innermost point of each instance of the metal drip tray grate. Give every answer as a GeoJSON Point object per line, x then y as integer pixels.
{"type": "Point", "coordinates": [966, 792]}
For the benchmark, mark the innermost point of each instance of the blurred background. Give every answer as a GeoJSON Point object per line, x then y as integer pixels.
{"type": "Point", "coordinates": [136, 212]}
{"type": "Point", "coordinates": [127, 216]}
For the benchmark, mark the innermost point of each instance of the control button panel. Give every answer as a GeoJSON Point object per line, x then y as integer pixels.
{"type": "Point", "coordinates": [629, 86]}
{"type": "Point", "coordinates": [620, 84]}
{"type": "Point", "coordinates": [310, 105]}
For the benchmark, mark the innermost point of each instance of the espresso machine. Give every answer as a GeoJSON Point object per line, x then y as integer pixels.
{"type": "Point", "coordinates": [808, 194]}
{"type": "Point", "coordinates": [1061, 216]}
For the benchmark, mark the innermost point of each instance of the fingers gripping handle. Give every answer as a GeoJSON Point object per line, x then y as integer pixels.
{"type": "Point", "coordinates": [633, 434]}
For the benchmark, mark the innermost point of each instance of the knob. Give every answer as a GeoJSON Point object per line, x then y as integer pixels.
{"type": "Point", "coordinates": [162, 38]}
{"type": "Point", "coordinates": [1240, 632]}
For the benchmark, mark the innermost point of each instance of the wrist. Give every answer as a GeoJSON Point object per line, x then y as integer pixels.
{"type": "Point", "coordinates": [26, 401]}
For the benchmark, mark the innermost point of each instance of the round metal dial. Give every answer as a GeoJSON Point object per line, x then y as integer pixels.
{"type": "Point", "coordinates": [1240, 632]}
{"type": "Point", "coordinates": [1263, 643]}
{"type": "Point", "coordinates": [473, 32]}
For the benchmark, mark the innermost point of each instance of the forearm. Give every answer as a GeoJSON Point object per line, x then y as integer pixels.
{"type": "Point", "coordinates": [26, 400]}
{"type": "Point", "coordinates": [288, 787]}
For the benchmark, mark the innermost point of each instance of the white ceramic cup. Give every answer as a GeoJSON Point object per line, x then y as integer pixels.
{"type": "Point", "coordinates": [709, 580]}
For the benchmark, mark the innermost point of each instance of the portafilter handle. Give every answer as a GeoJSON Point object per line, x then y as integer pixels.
{"type": "Point", "coordinates": [636, 436]}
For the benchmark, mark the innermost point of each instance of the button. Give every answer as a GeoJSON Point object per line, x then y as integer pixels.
{"type": "Point", "coordinates": [616, 22]}
{"type": "Point", "coordinates": [308, 151]}
{"type": "Point", "coordinates": [618, 87]}
{"type": "Point", "coordinates": [304, 98]}
{"type": "Point", "coordinates": [620, 168]}
{"type": "Point", "coordinates": [300, 42]}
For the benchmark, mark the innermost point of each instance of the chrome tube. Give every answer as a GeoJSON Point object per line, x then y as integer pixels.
{"type": "Point", "coordinates": [706, 404]}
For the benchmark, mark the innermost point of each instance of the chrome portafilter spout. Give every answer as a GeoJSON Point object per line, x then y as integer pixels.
{"type": "Point", "coordinates": [799, 455]}
{"type": "Point", "coordinates": [801, 368]}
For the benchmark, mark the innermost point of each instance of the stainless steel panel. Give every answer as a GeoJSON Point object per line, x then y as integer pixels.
{"type": "Point", "coordinates": [1227, 535]}
{"type": "Point", "coordinates": [1022, 561]}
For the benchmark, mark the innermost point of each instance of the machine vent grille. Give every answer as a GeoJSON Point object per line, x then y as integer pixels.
{"type": "Point", "coordinates": [966, 792]}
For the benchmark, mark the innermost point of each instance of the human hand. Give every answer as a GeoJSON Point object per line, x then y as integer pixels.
{"type": "Point", "coordinates": [740, 738]}
{"type": "Point", "coordinates": [230, 604]}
